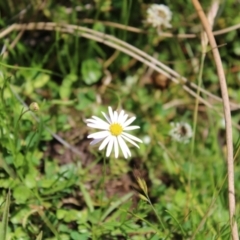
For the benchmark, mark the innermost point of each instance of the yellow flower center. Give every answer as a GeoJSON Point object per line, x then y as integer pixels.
{"type": "Point", "coordinates": [115, 129]}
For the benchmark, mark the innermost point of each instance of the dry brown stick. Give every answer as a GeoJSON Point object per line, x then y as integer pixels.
{"type": "Point", "coordinates": [163, 34]}
{"type": "Point", "coordinates": [125, 47]}
{"type": "Point", "coordinates": [116, 44]}
{"type": "Point", "coordinates": [13, 44]}
{"type": "Point", "coordinates": [227, 115]}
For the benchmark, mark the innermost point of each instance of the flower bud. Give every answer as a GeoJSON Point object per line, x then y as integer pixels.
{"type": "Point", "coordinates": [34, 107]}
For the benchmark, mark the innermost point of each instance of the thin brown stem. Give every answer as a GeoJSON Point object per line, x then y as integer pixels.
{"type": "Point", "coordinates": [123, 47]}
{"type": "Point", "coordinates": [163, 34]}
{"type": "Point", "coordinates": [227, 115]}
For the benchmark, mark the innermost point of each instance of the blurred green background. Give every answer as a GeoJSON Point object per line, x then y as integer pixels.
{"type": "Point", "coordinates": [74, 64]}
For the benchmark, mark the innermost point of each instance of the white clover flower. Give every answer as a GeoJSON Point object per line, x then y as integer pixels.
{"type": "Point", "coordinates": [113, 134]}
{"type": "Point", "coordinates": [159, 15]}
{"type": "Point", "coordinates": [181, 132]}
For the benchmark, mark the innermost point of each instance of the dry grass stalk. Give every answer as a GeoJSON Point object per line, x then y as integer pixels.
{"type": "Point", "coordinates": [227, 115]}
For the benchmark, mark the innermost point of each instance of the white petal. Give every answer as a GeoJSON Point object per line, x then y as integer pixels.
{"type": "Point", "coordinates": [116, 150]}
{"type": "Point", "coordinates": [129, 140]}
{"type": "Point", "coordinates": [110, 146]}
{"type": "Point", "coordinates": [115, 115]}
{"type": "Point", "coordinates": [95, 141]}
{"type": "Point", "coordinates": [107, 117]}
{"type": "Point", "coordinates": [98, 135]}
{"type": "Point", "coordinates": [104, 143]}
{"type": "Point", "coordinates": [124, 118]}
{"type": "Point", "coordinates": [97, 121]}
{"type": "Point", "coordinates": [129, 121]}
{"type": "Point", "coordinates": [131, 137]}
{"type": "Point", "coordinates": [131, 128]}
{"type": "Point", "coordinates": [111, 114]}
{"type": "Point", "coordinates": [91, 118]}
{"type": "Point", "coordinates": [98, 126]}
{"type": "Point", "coordinates": [124, 147]}
{"type": "Point", "coordinates": [120, 116]}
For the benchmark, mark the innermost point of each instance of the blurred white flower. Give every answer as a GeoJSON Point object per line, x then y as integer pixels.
{"type": "Point", "coordinates": [159, 15]}
{"type": "Point", "coordinates": [113, 134]}
{"type": "Point", "coordinates": [146, 139]}
{"type": "Point", "coordinates": [181, 132]}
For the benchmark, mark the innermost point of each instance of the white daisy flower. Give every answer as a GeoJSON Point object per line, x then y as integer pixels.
{"type": "Point", "coordinates": [113, 134]}
{"type": "Point", "coordinates": [181, 132]}
{"type": "Point", "coordinates": [159, 15]}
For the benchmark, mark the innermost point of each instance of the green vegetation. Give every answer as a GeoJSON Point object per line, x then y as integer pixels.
{"type": "Point", "coordinates": [63, 62]}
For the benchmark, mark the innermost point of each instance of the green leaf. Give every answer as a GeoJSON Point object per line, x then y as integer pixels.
{"type": "Point", "coordinates": [19, 161]}
{"type": "Point", "coordinates": [21, 194]}
{"type": "Point", "coordinates": [72, 215]}
{"type": "Point", "coordinates": [18, 217]}
{"type": "Point", "coordinates": [87, 197]}
{"type": "Point", "coordinates": [76, 236]}
{"type": "Point", "coordinates": [116, 205]}
{"type": "Point", "coordinates": [41, 80]}
{"type": "Point", "coordinates": [85, 100]}
{"type": "Point", "coordinates": [30, 180]}
{"type": "Point", "coordinates": [65, 89]}
{"type": "Point", "coordinates": [91, 71]}
{"type": "Point", "coordinates": [61, 213]}
{"type": "Point", "coordinates": [236, 48]}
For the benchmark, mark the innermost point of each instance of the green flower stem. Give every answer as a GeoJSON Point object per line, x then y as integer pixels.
{"type": "Point", "coordinates": [156, 213]}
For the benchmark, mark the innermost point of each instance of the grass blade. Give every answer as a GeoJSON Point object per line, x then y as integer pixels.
{"type": "Point", "coordinates": [4, 223]}
{"type": "Point", "coordinates": [39, 236]}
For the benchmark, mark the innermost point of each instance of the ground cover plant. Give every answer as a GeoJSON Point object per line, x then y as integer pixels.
{"type": "Point", "coordinates": [112, 122]}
